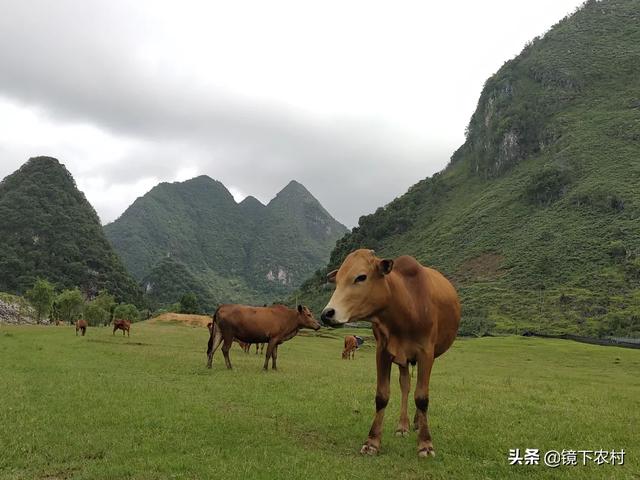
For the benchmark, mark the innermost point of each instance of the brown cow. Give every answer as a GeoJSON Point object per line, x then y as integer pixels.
{"type": "Point", "coordinates": [82, 326]}
{"type": "Point", "coordinates": [350, 347]}
{"type": "Point", "coordinates": [272, 325]}
{"type": "Point", "coordinates": [415, 313]}
{"type": "Point", "coordinates": [124, 325]}
{"type": "Point", "coordinates": [243, 345]}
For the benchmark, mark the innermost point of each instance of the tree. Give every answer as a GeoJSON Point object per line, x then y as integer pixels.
{"type": "Point", "coordinates": [96, 315]}
{"type": "Point", "coordinates": [106, 302]}
{"type": "Point", "coordinates": [68, 305]}
{"type": "Point", "coordinates": [189, 303]}
{"type": "Point", "coordinates": [41, 297]}
{"type": "Point", "coordinates": [126, 311]}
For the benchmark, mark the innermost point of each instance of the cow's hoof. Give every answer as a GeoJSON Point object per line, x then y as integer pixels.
{"type": "Point", "coordinates": [426, 452]}
{"type": "Point", "coordinates": [402, 432]}
{"type": "Point", "coordinates": [368, 449]}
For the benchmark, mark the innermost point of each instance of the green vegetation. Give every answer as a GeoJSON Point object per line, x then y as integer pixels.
{"type": "Point", "coordinates": [189, 303]}
{"type": "Point", "coordinates": [536, 217]}
{"type": "Point", "coordinates": [193, 237]}
{"type": "Point", "coordinates": [95, 315]}
{"type": "Point", "coordinates": [48, 230]}
{"type": "Point", "coordinates": [169, 280]}
{"type": "Point", "coordinates": [126, 312]}
{"type": "Point", "coordinates": [68, 305]}
{"type": "Point", "coordinates": [41, 298]}
{"type": "Point", "coordinates": [145, 407]}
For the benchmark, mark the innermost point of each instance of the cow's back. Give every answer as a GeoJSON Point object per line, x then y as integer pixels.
{"type": "Point", "coordinates": [251, 324]}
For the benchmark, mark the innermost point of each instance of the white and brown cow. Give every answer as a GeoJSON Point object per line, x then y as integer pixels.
{"type": "Point", "coordinates": [415, 313]}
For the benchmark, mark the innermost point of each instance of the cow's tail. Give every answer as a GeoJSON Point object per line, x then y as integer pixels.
{"type": "Point", "coordinates": [214, 333]}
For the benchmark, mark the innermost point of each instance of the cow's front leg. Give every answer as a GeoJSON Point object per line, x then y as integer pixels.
{"type": "Point", "coordinates": [425, 445]}
{"type": "Point", "coordinates": [405, 386]}
{"type": "Point", "coordinates": [383, 367]}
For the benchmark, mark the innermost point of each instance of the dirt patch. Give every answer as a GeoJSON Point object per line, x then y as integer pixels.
{"type": "Point", "coordinates": [487, 266]}
{"type": "Point", "coordinates": [191, 320]}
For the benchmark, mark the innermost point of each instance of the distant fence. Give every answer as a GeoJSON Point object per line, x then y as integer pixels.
{"type": "Point", "coordinates": [609, 342]}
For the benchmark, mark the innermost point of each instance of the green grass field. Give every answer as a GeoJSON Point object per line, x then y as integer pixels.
{"type": "Point", "coordinates": [145, 407]}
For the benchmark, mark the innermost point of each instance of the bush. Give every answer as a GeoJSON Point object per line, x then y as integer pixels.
{"type": "Point", "coordinates": [477, 325]}
{"type": "Point", "coordinates": [68, 305]}
{"type": "Point", "coordinates": [189, 303]}
{"type": "Point", "coordinates": [41, 297]}
{"type": "Point", "coordinates": [126, 311]}
{"type": "Point", "coordinates": [548, 185]}
{"type": "Point", "coordinates": [96, 315]}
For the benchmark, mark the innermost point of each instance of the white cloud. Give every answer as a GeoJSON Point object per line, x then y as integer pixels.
{"type": "Point", "coordinates": [345, 97]}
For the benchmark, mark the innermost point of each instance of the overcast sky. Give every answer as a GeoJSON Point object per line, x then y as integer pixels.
{"type": "Point", "coordinates": [356, 100]}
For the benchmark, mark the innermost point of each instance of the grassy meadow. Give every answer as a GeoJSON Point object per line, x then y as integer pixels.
{"type": "Point", "coordinates": [145, 407]}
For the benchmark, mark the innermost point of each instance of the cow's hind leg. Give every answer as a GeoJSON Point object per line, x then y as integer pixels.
{"type": "Point", "coordinates": [226, 346]}
{"type": "Point", "coordinates": [274, 356]}
{"type": "Point", "coordinates": [217, 340]}
{"type": "Point", "coordinates": [383, 366]}
{"type": "Point", "coordinates": [425, 445]}
{"type": "Point", "coordinates": [405, 386]}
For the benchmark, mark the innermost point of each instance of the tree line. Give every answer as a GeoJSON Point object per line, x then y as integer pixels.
{"type": "Point", "coordinates": [69, 305]}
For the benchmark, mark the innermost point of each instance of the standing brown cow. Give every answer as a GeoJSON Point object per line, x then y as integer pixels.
{"type": "Point", "coordinates": [272, 325]}
{"type": "Point", "coordinates": [415, 314]}
{"type": "Point", "coordinates": [350, 347]}
{"type": "Point", "coordinates": [82, 326]}
{"type": "Point", "coordinates": [124, 325]}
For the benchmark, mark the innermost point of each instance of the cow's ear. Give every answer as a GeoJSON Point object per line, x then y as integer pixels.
{"type": "Point", "coordinates": [385, 266]}
{"type": "Point", "coordinates": [299, 308]}
{"type": "Point", "coordinates": [331, 276]}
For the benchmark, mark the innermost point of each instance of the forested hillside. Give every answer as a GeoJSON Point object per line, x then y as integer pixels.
{"type": "Point", "coordinates": [49, 230]}
{"type": "Point", "coordinates": [193, 237]}
{"type": "Point", "coordinates": [536, 218]}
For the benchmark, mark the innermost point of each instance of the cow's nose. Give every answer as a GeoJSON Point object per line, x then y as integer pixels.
{"type": "Point", "coordinates": [328, 315]}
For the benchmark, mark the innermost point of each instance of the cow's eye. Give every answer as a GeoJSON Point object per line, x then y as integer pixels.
{"type": "Point", "coordinates": [360, 278]}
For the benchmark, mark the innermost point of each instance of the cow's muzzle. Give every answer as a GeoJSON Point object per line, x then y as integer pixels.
{"type": "Point", "coordinates": [328, 317]}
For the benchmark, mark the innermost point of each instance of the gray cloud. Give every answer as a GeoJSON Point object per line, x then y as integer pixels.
{"type": "Point", "coordinates": [85, 63]}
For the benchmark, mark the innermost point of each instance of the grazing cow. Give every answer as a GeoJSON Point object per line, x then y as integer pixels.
{"type": "Point", "coordinates": [82, 326]}
{"type": "Point", "coordinates": [272, 325]}
{"type": "Point", "coordinates": [350, 347]}
{"type": "Point", "coordinates": [124, 325]}
{"type": "Point", "coordinates": [415, 314]}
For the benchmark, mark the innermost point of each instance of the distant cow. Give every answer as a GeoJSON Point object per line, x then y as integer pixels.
{"type": "Point", "coordinates": [415, 314]}
{"type": "Point", "coordinates": [272, 325]}
{"type": "Point", "coordinates": [82, 326]}
{"type": "Point", "coordinates": [350, 347]}
{"type": "Point", "coordinates": [261, 345]}
{"type": "Point", "coordinates": [124, 325]}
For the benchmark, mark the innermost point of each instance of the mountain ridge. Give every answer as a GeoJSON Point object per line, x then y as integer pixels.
{"type": "Point", "coordinates": [239, 251]}
{"type": "Point", "coordinates": [48, 229]}
{"type": "Point", "coordinates": [534, 217]}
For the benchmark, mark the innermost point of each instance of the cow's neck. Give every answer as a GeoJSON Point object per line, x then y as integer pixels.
{"type": "Point", "coordinates": [388, 322]}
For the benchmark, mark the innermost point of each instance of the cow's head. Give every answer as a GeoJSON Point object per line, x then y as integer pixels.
{"type": "Point", "coordinates": [361, 288]}
{"type": "Point", "coordinates": [305, 318]}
